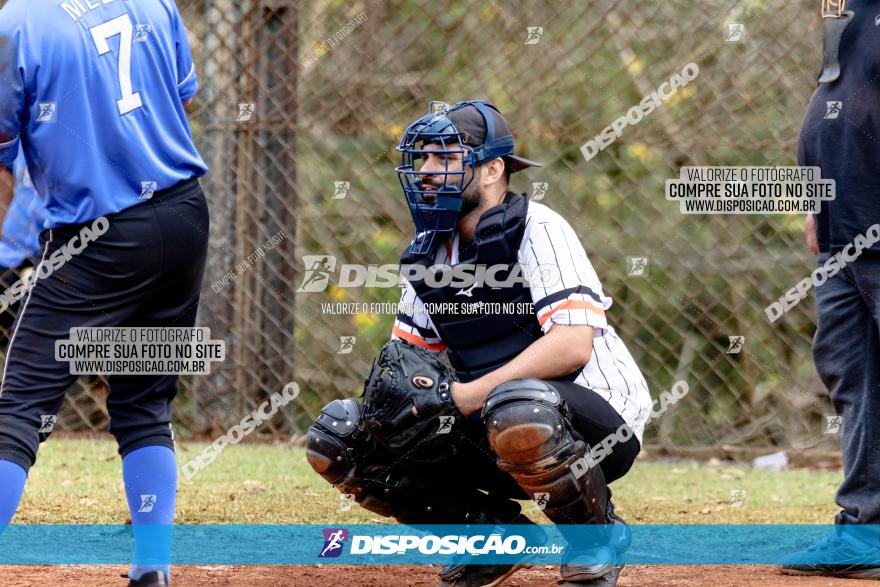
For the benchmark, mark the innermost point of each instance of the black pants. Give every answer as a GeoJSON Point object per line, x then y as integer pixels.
{"type": "Point", "coordinates": [594, 419]}
{"type": "Point", "coordinates": [146, 270]}
{"type": "Point", "coordinates": [8, 277]}
{"type": "Point", "coordinates": [846, 349]}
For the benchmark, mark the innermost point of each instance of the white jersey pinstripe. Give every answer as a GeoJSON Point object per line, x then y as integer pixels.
{"type": "Point", "coordinates": [575, 298]}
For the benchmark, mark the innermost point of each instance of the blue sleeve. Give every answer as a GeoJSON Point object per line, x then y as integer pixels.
{"type": "Point", "coordinates": [187, 80]}
{"type": "Point", "coordinates": [12, 75]}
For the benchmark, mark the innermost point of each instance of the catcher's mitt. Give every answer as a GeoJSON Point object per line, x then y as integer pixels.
{"type": "Point", "coordinates": [408, 405]}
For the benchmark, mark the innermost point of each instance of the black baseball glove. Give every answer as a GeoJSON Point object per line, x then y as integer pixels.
{"type": "Point", "coordinates": [408, 405]}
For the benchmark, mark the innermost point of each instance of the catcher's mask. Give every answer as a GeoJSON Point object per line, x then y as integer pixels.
{"type": "Point", "coordinates": [470, 129]}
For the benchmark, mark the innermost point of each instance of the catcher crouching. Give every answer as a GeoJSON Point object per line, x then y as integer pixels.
{"type": "Point", "coordinates": [502, 288]}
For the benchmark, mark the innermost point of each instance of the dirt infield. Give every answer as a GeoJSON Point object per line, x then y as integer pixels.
{"type": "Point", "coordinates": [371, 576]}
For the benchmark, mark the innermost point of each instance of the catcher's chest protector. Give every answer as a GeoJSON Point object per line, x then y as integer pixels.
{"type": "Point", "coordinates": [481, 340]}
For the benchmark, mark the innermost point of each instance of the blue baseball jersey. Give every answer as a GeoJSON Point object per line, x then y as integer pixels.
{"type": "Point", "coordinates": [24, 220]}
{"type": "Point", "coordinates": [93, 90]}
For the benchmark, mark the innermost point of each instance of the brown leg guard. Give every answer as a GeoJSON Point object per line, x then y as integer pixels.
{"type": "Point", "coordinates": [530, 433]}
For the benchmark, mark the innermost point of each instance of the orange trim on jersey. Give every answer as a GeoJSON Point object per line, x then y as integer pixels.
{"type": "Point", "coordinates": [417, 340]}
{"type": "Point", "coordinates": [448, 249]}
{"type": "Point", "coordinates": [573, 305]}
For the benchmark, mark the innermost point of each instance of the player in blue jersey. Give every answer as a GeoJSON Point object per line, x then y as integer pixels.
{"type": "Point", "coordinates": [20, 238]}
{"type": "Point", "coordinates": [94, 92]}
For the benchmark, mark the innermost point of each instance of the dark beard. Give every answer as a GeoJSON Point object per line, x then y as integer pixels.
{"type": "Point", "coordinates": [470, 198]}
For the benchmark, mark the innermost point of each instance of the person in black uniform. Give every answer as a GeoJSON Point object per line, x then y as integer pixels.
{"type": "Point", "coordinates": [840, 135]}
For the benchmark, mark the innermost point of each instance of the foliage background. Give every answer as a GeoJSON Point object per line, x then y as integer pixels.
{"type": "Point", "coordinates": [339, 118]}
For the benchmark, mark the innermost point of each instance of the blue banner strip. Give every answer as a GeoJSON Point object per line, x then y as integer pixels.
{"type": "Point", "coordinates": [394, 544]}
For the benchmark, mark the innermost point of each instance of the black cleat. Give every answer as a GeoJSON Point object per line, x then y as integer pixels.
{"type": "Point", "coordinates": [601, 564]}
{"type": "Point", "coordinates": [465, 575]}
{"type": "Point", "coordinates": [476, 575]}
{"type": "Point", "coordinates": [850, 561]}
{"type": "Point", "coordinates": [609, 579]}
{"type": "Point", "coordinates": [153, 579]}
{"type": "Point", "coordinates": [588, 565]}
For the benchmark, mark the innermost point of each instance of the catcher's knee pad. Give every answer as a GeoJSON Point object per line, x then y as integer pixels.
{"type": "Point", "coordinates": [340, 453]}
{"type": "Point", "coordinates": [358, 466]}
{"type": "Point", "coordinates": [345, 456]}
{"type": "Point", "coordinates": [334, 442]}
{"type": "Point", "coordinates": [529, 429]}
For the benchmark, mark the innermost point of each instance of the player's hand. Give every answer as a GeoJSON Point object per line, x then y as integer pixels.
{"type": "Point", "coordinates": [810, 229]}
{"type": "Point", "coordinates": [467, 397]}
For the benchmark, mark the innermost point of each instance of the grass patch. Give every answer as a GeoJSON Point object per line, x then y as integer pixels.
{"type": "Point", "coordinates": [80, 481]}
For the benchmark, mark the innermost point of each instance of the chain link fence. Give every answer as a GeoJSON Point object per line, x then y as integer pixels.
{"type": "Point", "coordinates": [302, 104]}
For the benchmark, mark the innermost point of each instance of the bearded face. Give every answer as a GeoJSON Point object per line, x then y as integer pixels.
{"type": "Point", "coordinates": [472, 196]}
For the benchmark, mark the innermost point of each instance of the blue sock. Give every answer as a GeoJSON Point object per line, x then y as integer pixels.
{"type": "Point", "coordinates": [150, 476]}
{"type": "Point", "coordinates": [12, 479]}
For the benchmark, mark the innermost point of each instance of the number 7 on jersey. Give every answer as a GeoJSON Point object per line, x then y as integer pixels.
{"type": "Point", "coordinates": [101, 33]}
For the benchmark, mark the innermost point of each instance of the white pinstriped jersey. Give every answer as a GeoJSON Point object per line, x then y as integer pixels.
{"type": "Point", "coordinates": [575, 298]}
